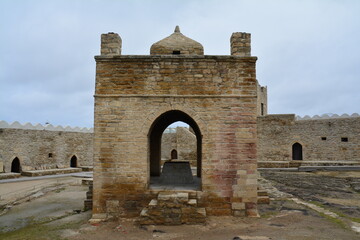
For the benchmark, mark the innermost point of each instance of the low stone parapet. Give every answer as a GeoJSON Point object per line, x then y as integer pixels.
{"type": "Point", "coordinates": [9, 175]}
{"type": "Point", "coordinates": [35, 173]}
{"type": "Point", "coordinates": [302, 163]}
{"type": "Point", "coordinates": [273, 164]}
{"type": "Point", "coordinates": [87, 168]}
{"type": "Point", "coordinates": [88, 202]}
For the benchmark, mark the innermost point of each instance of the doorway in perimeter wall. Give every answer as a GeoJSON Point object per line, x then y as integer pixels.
{"type": "Point", "coordinates": [297, 153]}
{"type": "Point", "coordinates": [15, 165]}
{"type": "Point", "coordinates": [73, 161]}
{"type": "Point", "coordinates": [154, 137]}
{"type": "Point", "coordinates": [174, 154]}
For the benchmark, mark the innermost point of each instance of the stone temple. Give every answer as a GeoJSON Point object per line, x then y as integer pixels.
{"type": "Point", "coordinates": [138, 96]}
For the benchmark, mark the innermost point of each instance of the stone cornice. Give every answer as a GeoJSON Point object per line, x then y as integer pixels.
{"type": "Point", "coordinates": [169, 96]}
{"type": "Point", "coordinates": [173, 57]}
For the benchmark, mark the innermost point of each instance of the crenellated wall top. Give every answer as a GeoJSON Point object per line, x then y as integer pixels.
{"type": "Point", "coordinates": [326, 116]}
{"type": "Point", "coordinates": [48, 127]}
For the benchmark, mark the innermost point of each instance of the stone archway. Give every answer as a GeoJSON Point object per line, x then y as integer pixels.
{"type": "Point", "coordinates": [15, 165]}
{"type": "Point", "coordinates": [155, 133]}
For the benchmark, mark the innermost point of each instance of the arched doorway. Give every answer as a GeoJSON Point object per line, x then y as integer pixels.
{"type": "Point", "coordinates": [155, 133]}
{"type": "Point", "coordinates": [297, 151]}
{"type": "Point", "coordinates": [15, 165]}
{"type": "Point", "coordinates": [174, 154]}
{"type": "Point", "coordinates": [73, 161]}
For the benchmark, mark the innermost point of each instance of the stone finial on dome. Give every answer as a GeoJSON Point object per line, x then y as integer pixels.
{"type": "Point", "coordinates": [177, 29]}
{"type": "Point", "coordinates": [177, 44]}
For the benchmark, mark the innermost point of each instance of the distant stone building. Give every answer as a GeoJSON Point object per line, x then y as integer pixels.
{"type": "Point", "coordinates": [137, 97]}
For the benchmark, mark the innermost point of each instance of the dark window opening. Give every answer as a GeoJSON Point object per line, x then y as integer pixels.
{"type": "Point", "coordinates": [174, 154]}
{"type": "Point", "coordinates": [73, 161]}
{"type": "Point", "coordinates": [297, 151]}
{"type": "Point", "coordinates": [323, 138]}
{"type": "Point", "coordinates": [50, 155]}
{"type": "Point", "coordinates": [176, 52]}
{"type": "Point", "coordinates": [344, 139]}
{"type": "Point", "coordinates": [262, 109]}
{"type": "Point", "coordinates": [15, 165]}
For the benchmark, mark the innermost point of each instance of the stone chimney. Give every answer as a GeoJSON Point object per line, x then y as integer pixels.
{"type": "Point", "coordinates": [241, 44]}
{"type": "Point", "coordinates": [110, 44]}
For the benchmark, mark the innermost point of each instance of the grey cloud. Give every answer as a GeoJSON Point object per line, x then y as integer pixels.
{"type": "Point", "coordinates": [308, 50]}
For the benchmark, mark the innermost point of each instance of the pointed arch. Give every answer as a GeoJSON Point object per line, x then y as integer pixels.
{"type": "Point", "coordinates": [297, 151]}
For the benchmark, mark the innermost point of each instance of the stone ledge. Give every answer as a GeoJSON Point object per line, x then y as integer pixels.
{"type": "Point", "coordinates": [171, 56]}
{"type": "Point", "coordinates": [87, 168]}
{"type": "Point", "coordinates": [50, 172]}
{"type": "Point", "coordinates": [9, 175]}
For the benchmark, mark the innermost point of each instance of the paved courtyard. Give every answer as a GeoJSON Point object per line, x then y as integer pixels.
{"type": "Point", "coordinates": [292, 214]}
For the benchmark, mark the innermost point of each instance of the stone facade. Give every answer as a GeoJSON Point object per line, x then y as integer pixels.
{"type": "Point", "coordinates": [322, 141]}
{"type": "Point", "coordinates": [49, 148]}
{"type": "Point", "coordinates": [137, 97]}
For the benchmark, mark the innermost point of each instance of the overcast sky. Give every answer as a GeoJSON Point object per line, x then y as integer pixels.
{"type": "Point", "coordinates": [308, 51]}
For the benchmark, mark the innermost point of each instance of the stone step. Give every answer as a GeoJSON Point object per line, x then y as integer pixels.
{"type": "Point", "coordinates": [192, 202]}
{"type": "Point", "coordinates": [262, 192]}
{"type": "Point", "coordinates": [89, 195]}
{"type": "Point", "coordinates": [193, 194]}
{"type": "Point", "coordinates": [88, 204]}
{"type": "Point", "coordinates": [172, 208]}
{"type": "Point", "coordinates": [263, 200]}
{"type": "Point", "coordinates": [153, 203]}
{"type": "Point", "coordinates": [180, 196]}
{"type": "Point", "coordinates": [172, 216]}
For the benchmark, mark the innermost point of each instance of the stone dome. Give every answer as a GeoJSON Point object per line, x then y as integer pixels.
{"type": "Point", "coordinates": [177, 44]}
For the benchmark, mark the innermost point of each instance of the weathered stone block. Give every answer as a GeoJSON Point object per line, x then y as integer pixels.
{"type": "Point", "coordinates": [238, 206]}
{"type": "Point", "coordinates": [112, 206]}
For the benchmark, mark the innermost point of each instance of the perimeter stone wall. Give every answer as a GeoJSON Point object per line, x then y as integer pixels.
{"type": "Point", "coordinates": [43, 149]}
{"type": "Point", "coordinates": [328, 141]}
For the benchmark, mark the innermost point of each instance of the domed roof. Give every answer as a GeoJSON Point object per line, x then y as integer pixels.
{"type": "Point", "coordinates": [177, 43]}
